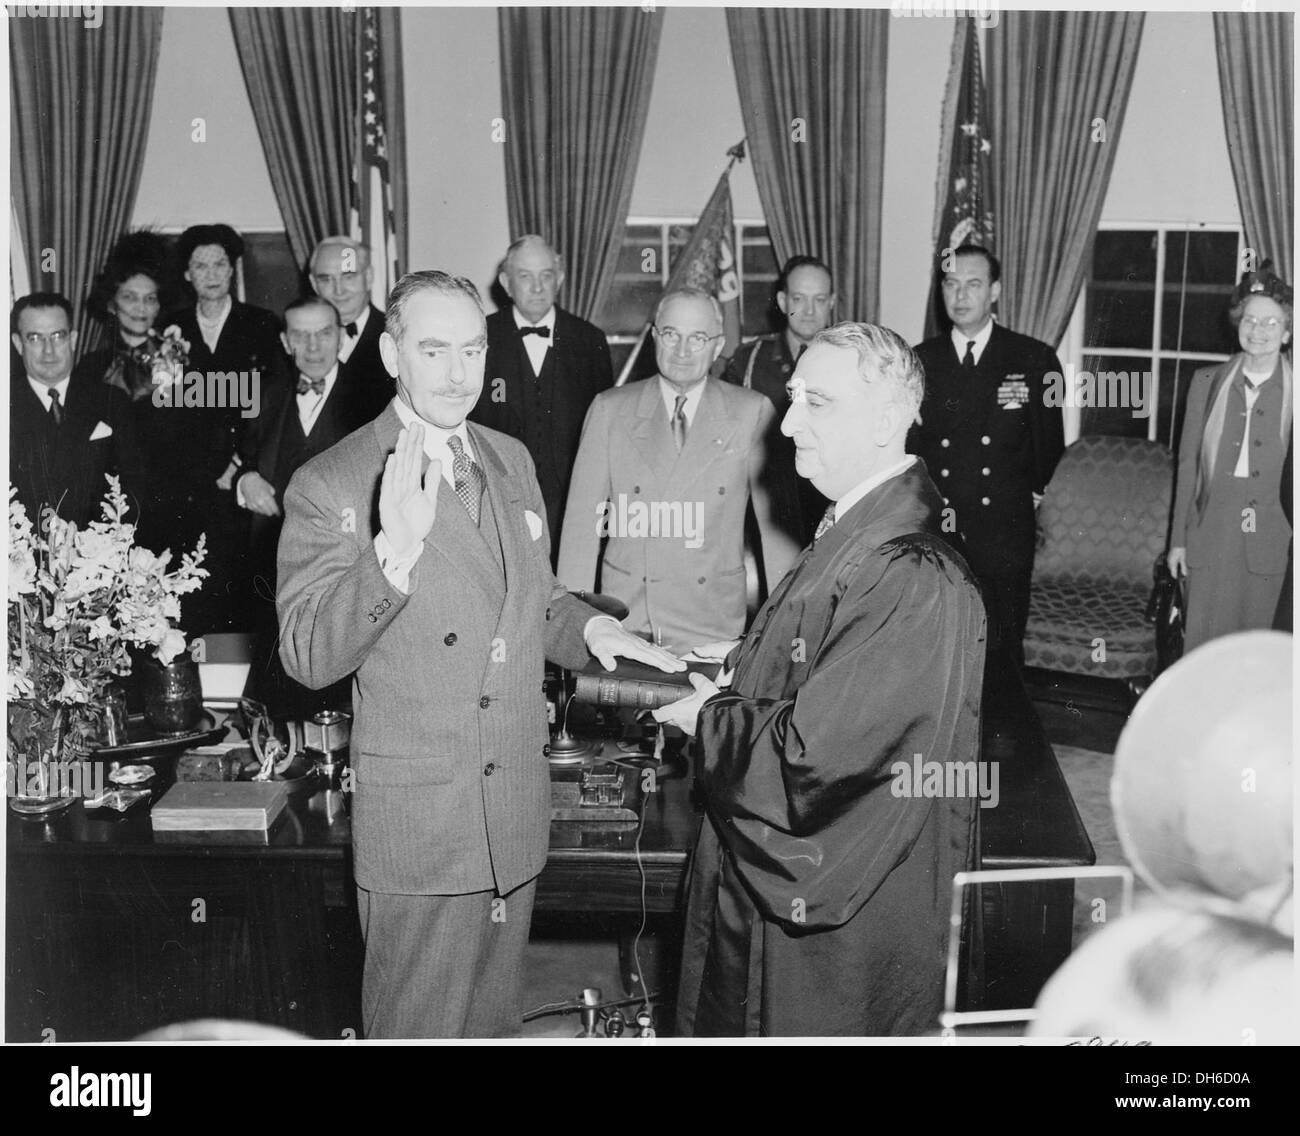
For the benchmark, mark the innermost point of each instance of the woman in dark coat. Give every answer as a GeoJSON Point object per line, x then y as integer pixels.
{"type": "Point", "coordinates": [1230, 534]}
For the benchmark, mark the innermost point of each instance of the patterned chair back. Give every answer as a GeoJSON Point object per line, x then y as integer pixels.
{"type": "Point", "coordinates": [1105, 517]}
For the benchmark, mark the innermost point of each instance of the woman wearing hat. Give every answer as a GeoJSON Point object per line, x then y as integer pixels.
{"type": "Point", "coordinates": [1230, 537]}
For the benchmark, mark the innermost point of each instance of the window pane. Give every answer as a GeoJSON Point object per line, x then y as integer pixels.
{"type": "Point", "coordinates": [630, 304]}
{"type": "Point", "coordinates": [1197, 320]}
{"type": "Point", "coordinates": [1123, 384]}
{"type": "Point", "coordinates": [1120, 309]}
{"type": "Point", "coordinates": [759, 268]}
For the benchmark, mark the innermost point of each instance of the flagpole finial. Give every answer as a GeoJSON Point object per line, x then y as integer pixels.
{"type": "Point", "coordinates": [737, 152]}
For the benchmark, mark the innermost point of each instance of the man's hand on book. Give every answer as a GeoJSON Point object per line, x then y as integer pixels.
{"type": "Point", "coordinates": [685, 712]}
{"type": "Point", "coordinates": [714, 653]}
{"type": "Point", "coordinates": [607, 640]}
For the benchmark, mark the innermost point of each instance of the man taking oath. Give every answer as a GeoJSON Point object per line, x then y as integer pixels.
{"type": "Point", "coordinates": [414, 557]}
{"type": "Point", "coordinates": [820, 890]}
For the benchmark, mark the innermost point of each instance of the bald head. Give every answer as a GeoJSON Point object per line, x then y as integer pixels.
{"type": "Point", "coordinates": [532, 274]}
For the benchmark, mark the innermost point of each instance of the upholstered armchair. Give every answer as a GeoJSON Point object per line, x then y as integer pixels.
{"type": "Point", "coordinates": [1102, 525]}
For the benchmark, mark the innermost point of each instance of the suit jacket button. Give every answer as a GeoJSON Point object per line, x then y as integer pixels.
{"type": "Point", "coordinates": [489, 769]}
{"type": "Point", "coordinates": [636, 489]}
{"type": "Point", "coordinates": [984, 500]}
{"type": "Point", "coordinates": [450, 639]}
{"type": "Point", "coordinates": [1254, 473]}
{"type": "Point", "coordinates": [370, 615]}
{"type": "Point", "coordinates": [702, 579]}
{"type": "Point", "coordinates": [985, 471]}
{"type": "Point", "coordinates": [484, 702]}
{"type": "Point", "coordinates": [984, 441]}
{"type": "Point", "coordinates": [943, 473]}
{"type": "Point", "coordinates": [944, 443]}
{"type": "Point", "coordinates": [722, 488]}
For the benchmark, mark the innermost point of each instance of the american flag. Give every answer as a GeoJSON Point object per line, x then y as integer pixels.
{"type": "Point", "coordinates": [964, 196]}
{"type": "Point", "coordinates": [372, 195]}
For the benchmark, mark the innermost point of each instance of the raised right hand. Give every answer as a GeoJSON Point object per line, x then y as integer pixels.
{"type": "Point", "coordinates": [1177, 561]}
{"type": "Point", "coordinates": [406, 507]}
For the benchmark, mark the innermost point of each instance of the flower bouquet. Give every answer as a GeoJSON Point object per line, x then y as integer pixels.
{"type": "Point", "coordinates": [163, 356]}
{"type": "Point", "coordinates": [77, 600]}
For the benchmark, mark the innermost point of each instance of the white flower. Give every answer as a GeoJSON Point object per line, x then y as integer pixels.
{"type": "Point", "coordinates": [173, 643]}
{"type": "Point", "coordinates": [72, 691]}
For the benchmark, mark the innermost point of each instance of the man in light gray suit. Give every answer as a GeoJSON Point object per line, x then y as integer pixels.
{"type": "Point", "coordinates": [665, 470]}
{"type": "Point", "coordinates": [415, 557]}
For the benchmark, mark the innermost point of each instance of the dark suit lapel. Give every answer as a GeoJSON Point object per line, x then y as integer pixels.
{"type": "Point", "coordinates": [651, 433]}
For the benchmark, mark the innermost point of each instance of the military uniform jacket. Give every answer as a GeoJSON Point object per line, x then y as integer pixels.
{"type": "Point", "coordinates": [987, 450]}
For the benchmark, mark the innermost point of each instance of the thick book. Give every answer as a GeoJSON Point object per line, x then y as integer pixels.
{"type": "Point", "coordinates": [205, 806]}
{"type": "Point", "coordinates": [636, 685]}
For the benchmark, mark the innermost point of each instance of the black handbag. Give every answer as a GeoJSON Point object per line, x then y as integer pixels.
{"type": "Point", "coordinates": [1167, 609]}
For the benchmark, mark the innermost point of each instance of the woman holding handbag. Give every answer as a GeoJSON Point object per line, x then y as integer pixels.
{"type": "Point", "coordinates": [1230, 537]}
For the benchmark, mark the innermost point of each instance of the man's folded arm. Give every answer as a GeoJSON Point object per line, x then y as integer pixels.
{"type": "Point", "coordinates": [334, 600]}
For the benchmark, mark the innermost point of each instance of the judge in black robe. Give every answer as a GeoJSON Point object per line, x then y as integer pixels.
{"type": "Point", "coordinates": [819, 895]}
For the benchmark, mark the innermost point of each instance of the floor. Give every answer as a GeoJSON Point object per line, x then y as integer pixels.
{"type": "Point", "coordinates": [1083, 724]}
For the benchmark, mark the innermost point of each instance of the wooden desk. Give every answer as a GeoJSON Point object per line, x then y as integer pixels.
{"type": "Point", "coordinates": [113, 930]}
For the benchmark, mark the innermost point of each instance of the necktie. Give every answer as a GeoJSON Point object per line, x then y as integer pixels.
{"type": "Point", "coordinates": [56, 411]}
{"type": "Point", "coordinates": [305, 384]}
{"type": "Point", "coordinates": [968, 362]}
{"type": "Point", "coordinates": [544, 332]}
{"type": "Point", "coordinates": [679, 422]}
{"type": "Point", "coordinates": [350, 329]}
{"type": "Point", "coordinates": [469, 478]}
{"type": "Point", "coordinates": [825, 524]}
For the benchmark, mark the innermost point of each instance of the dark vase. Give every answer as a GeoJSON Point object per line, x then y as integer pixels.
{"type": "Point", "coordinates": [173, 699]}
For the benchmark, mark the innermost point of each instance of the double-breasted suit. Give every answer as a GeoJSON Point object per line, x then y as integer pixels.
{"type": "Point", "coordinates": [544, 411]}
{"type": "Point", "coordinates": [673, 523]}
{"type": "Point", "coordinates": [990, 441]}
{"type": "Point", "coordinates": [65, 466]}
{"type": "Point", "coordinates": [452, 788]}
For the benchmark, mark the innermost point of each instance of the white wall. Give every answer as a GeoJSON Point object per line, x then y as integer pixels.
{"type": "Point", "coordinates": [223, 178]}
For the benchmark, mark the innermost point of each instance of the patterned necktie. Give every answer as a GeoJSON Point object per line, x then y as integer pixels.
{"type": "Point", "coordinates": [825, 524]}
{"type": "Point", "coordinates": [679, 422]}
{"type": "Point", "coordinates": [56, 411]}
{"type": "Point", "coordinates": [968, 362]}
{"type": "Point", "coordinates": [469, 478]}
{"type": "Point", "coordinates": [305, 384]}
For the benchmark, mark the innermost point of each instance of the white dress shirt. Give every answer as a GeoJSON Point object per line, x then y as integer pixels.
{"type": "Point", "coordinates": [854, 495]}
{"type": "Point", "coordinates": [1252, 393]}
{"type": "Point", "coordinates": [980, 339]}
{"type": "Point", "coordinates": [348, 343]}
{"type": "Point", "coordinates": [43, 392]}
{"type": "Point", "coordinates": [690, 406]}
{"type": "Point", "coordinates": [310, 403]}
{"type": "Point", "coordinates": [537, 345]}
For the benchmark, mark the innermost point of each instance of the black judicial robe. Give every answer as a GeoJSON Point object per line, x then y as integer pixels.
{"type": "Point", "coordinates": [819, 899]}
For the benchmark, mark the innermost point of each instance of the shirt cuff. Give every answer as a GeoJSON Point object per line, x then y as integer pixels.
{"type": "Point", "coordinates": [396, 569]}
{"type": "Point", "coordinates": [586, 627]}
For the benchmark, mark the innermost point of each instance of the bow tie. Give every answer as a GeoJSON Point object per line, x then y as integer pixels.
{"type": "Point", "coordinates": [350, 329]}
{"type": "Point", "coordinates": [305, 384]}
{"type": "Point", "coordinates": [544, 332]}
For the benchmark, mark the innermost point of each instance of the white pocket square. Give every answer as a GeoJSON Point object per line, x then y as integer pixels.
{"type": "Point", "coordinates": [101, 430]}
{"type": "Point", "coordinates": [534, 524]}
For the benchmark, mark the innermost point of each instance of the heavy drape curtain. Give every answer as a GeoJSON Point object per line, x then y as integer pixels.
{"type": "Point", "coordinates": [812, 92]}
{"type": "Point", "coordinates": [79, 110]}
{"type": "Point", "coordinates": [575, 88]}
{"type": "Point", "coordinates": [1058, 85]}
{"type": "Point", "coordinates": [1257, 80]}
{"type": "Point", "coordinates": [301, 69]}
